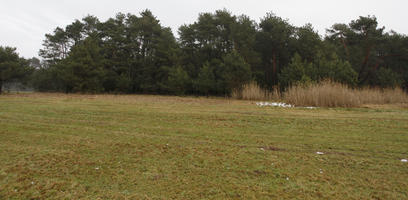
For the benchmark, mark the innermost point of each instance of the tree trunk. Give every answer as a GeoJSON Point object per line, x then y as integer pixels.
{"type": "Point", "coordinates": [274, 65]}
{"type": "Point", "coordinates": [1, 86]}
{"type": "Point", "coordinates": [365, 62]}
{"type": "Point", "coordinates": [345, 46]}
{"type": "Point", "coordinates": [274, 75]}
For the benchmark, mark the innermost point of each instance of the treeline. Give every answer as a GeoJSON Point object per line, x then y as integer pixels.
{"type": "Point", "coordinates": [218, 53]}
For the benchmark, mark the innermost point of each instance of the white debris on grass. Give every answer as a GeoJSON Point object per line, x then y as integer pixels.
{"type": "Point", "coordinates": [310, 107]}
{"type": "Point", "coordinates": [404, 160]}
{"type": "Point", "coordinates": [287, 178]}
{"type": "Point", "coordinates": [262, 149]}
{"type": "Point", "coordinates": [96, 168]}
{"type": "Point", "coordinates": [321, 171]}
{"type": "Point", "coordinates": [319, 153]}
{"type": "Point", "coordinates": [279, 104]}
{"type": "Point", "coordinates": [274, 104]}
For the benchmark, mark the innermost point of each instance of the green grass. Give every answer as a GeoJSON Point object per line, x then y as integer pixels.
{"type": "Point", "coordinates": [55, 146]}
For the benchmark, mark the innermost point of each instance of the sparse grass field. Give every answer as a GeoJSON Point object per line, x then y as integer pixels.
{"type": "Point", "coordinates": [55, 146]}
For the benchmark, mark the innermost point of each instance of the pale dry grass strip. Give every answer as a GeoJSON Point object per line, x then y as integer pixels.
{"type": "Point", "coordinates": [324, 94]}
{"type": "Point", "coordinates": [252, 91]}
{"type": "Point", "coordinates": [332, 94]}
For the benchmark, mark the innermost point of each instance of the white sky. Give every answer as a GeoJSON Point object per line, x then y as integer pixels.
{"type": "Point", "coordinates": [25, 22]}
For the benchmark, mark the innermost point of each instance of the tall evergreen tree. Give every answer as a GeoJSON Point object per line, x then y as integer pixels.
{"type": "Point", "coordinates": [273, 43]}
{"type": "Point", "coordinates": [83, 70]}
{"type": "Point", "coordinates": [216, 54]}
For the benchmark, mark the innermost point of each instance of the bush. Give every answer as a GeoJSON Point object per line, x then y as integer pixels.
{"type": "Point", "coordinates": [206, 82]}
{"type": "Point", "coordinates": [386, 78]}
{"type": "Point", "coordinates": [335, 69]}
{"type": "Point", "coordinates": [235, 71]}
{"type": "Point", "coordinates": [295, 72]}
{"type": "Point", "coordinates": [178, 80]}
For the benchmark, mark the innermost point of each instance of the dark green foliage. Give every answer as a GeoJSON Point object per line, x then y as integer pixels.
{"type": "Point", "coordinates": [273, 44]}
{"type": "Point", "coordinates": [296, 72]}
{"type": "Point", "coordinates": [387, 78]}
{"type": "Point", "coordinates": [208, 39]}
{"type": "Point", "coordinates": [83, 70]}
{"type": "Point", "coordinates": [368, 49]}
{"type": "Point", "coordinates": [47, 78]}
{"type": "Point", "coordinates": [206, 82]}
{"type": "Point", "coordinates": [126, 54]}
{"type": "Point", "coordinates": [332, 67]}
{"type": "Point", "coordinates": [215, 55]}
{"type": "Point", "coordinates": [244, 34]}
{"type": "Point", "coordinates": [12, 67]}
{"type": "Point", "coordinates": [235, 72]}
{"type": "Point", "coordinates": [178, 81]}
{"type": "Point", "coordinates": [308, 42]}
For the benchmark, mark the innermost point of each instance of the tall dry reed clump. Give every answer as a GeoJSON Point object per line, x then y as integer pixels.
{"type": "Point", "coordinates": [332, 94]}
{"type": "Point", "coordinates": [252, 91]}
{"type": "Point", "coordinates": [323, 94]}
{"type": "Point", "coordinates": [382, 96]}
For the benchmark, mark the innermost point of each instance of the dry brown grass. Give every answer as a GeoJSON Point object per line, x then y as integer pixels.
{"type": "Point", "coordinates": [252, 91]}
{"type": "Point", "coordinates": [324, 94]}
{"type": "Point", "coordinates": [382, 96]}
{"type": "Point", "coordinates": [332, 94]}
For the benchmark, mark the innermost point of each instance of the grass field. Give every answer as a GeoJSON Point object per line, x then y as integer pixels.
{"type": "Point", "coordinates": [56, 146]}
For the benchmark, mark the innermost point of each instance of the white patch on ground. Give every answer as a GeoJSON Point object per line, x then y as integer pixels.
{"type": "Point", "coordinates": [274, 104]}
{"type": "Point", "coordinates": [404, 160]}
{"type": "Point", "coordinates": [319, 153]}
{"type": "Point", "coordinates": [279, 104]}
{"type": "Point", "coordinates": [310, 107]}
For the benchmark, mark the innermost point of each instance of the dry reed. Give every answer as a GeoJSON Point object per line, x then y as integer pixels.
{"type": "Point", "coordinates": [332, 94]}
{"type": "Point", "coordinates": [324, 94]}
{"type": "Point", "coordinates": [252, 91]}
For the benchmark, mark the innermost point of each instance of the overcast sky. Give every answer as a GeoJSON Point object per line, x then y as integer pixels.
{"type": "Point", "coordinates": [23, 23]}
